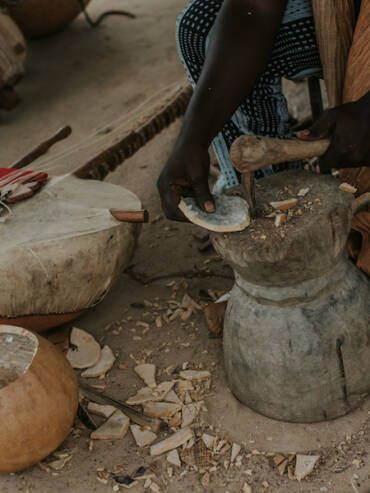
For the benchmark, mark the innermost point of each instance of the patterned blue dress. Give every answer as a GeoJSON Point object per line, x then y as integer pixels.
{"type": "Point", "coordinates": [264, 111]}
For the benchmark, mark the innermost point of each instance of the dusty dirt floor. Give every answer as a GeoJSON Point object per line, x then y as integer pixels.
{"type": "Point", "coordinates": [87, 78]}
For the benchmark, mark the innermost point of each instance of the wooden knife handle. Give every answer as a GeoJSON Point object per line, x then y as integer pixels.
{"type": "Point", "coordinates": [130, 216]}
{"type": "Point", "coordinates": [42, 148]}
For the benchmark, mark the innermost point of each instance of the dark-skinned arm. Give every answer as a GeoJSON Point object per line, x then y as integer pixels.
{"type": "Point", "coordinates": [238, 53]}
{"type": "Point", "coordinates": [348, 128]}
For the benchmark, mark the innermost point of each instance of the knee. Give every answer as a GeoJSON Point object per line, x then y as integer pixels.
{"type": "Point", "coordinates": [184, 35]}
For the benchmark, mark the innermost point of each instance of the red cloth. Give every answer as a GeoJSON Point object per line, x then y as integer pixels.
{"type": "Point", "coordinates": [19, 187]}
{"type": "Point", "coordinates": [41, 177]}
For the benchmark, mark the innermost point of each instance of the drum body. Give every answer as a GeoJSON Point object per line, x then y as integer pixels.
{"type": "Point", "coordinates": [62, 250]}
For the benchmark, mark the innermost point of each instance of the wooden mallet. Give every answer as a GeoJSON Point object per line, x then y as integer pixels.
{"type": "Point", "coordinates": [250, 153]}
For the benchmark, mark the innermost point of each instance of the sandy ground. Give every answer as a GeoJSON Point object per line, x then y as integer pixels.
{"type": "Point", "coordinates": [88, 78]}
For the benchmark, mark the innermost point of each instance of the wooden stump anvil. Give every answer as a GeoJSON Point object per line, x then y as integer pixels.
{"type": "Point", "coordinates": [297, 325]}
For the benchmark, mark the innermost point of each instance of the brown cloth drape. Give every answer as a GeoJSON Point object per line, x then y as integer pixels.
{"type": "Point", "coordinates": [345, 56]}
{"type": "Point", "coordinates": [356, 84]}
{"type": "Point", "coordinates": [357, 78]}
{"type": "Point", "coordinates": [334, 23]}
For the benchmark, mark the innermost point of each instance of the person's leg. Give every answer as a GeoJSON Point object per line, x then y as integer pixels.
{"type": "Point", "coordinates": [192, 30]}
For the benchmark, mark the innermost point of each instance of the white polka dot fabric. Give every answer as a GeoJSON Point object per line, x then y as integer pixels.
{"type": "Point", "coordinates": [264, 111]}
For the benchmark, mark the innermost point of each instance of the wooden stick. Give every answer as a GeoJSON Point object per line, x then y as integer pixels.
{"type": "Point", "coordinates": [42, 148]}
{"type": "Point", "coordinates": [253, 152]}
{"type": "Point", "coordinates": [249, 190]}
{"type": "Point", "coordinates": [130, 216]}
{"type": "Point", "coordinates": [85, 417]}
{"type": "Point", "coordinates": [135, 416]}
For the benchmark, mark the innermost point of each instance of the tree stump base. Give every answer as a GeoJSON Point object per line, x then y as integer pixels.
{"type": "Point", "coordinates": [297, 326]}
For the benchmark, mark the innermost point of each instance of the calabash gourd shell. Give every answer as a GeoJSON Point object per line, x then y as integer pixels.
{"type": "Point", "coordinates": [38, 398]}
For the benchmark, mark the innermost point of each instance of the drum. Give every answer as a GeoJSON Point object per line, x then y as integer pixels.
{"type": "Point", "coordinates": [62, 250]}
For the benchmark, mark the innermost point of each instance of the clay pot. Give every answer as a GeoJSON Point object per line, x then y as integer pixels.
{"type": "Point", "coordinates": [38, 18]}
{"type": "Point", "coordinates": [38, 398]}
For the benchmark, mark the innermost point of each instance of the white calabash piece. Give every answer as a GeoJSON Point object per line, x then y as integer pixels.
{"type": "Point", "coordinates": [284, 205]}
{"type": "Point", "coordinates": [85, 351]}
{"type": "Point", "coordinates": [231, 214]}
{"type": "Point", "coordinates": [104, 364]}
{"type": "Point", "coordinates": [38, 398]}
{"type": "Point", "coordinates": [146, 371]}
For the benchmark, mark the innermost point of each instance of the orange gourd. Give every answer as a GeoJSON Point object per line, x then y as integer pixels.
{"type": "Point", "coordinates": [38, 398]}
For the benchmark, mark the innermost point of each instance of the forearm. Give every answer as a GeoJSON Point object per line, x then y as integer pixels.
{"type": "Point", "coordinates": [238, 53]}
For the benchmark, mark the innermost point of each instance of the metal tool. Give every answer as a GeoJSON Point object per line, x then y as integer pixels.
{"type": "Point", "coordinates": [135, 416]}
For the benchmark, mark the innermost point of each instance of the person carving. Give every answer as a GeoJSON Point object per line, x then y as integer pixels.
{"type": "Point", "coordinates": [235, 53]}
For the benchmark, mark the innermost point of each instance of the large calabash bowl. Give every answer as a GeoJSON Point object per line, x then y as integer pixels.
{"type": "Point", "coordinates": [38, 18]}
{"type": "Point", "coordinates": [38, 398]}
